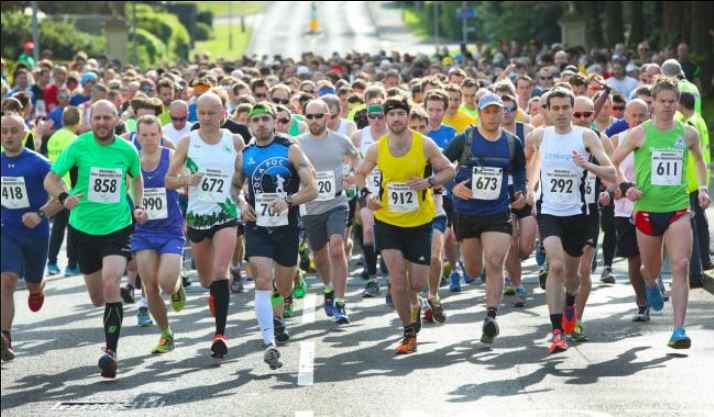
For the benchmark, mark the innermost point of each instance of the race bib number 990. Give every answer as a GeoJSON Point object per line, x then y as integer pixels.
{"type": "Point", "coordinates": [155, 203]}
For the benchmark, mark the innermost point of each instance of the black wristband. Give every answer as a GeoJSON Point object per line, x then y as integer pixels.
{"type": "Point", "coordinates": [41, 214]}
{"type": "Point", "coordinates": [138, 208]}
{"type": "Point", "coordinates": [624, 186]}
{"type": "Point", "coordinates": [63, 196]}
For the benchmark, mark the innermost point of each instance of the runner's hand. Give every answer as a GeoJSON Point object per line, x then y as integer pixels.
{"type": "Point", "coordinates": [462, 191]}
{"type": "Point", "coordinates": [604, 199]}
{"type": "Point", "coordinates": [141, 215]}
{"type": "Point", "coordinates": [372, 203]}
{"type": "Point", "coordinates": [247, 213]}
{"type": "Point", "coordinates": [520, 200]}
{"type": "Point", "coordinates": [72, 201]}
{"type": "Point", "coordinates": [194, 179]}
{"type": "Point", "coordinates": [704, 199]}
{"type": "Point", "coordinates": [31, 220]}
{"type": "Point", "coordinates": [633, 194]}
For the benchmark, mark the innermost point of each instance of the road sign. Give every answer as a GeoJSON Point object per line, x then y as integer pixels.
{"type": "Point", "coordinates": [466, 12]}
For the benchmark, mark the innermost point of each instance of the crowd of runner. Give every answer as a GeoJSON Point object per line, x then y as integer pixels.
{"type": "Point", "coordinates": [443, 170]}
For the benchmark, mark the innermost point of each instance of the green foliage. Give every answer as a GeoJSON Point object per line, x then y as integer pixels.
{"type": "Point", "coordinates": [204, 32]}
{"type": "Point", "coordinates": [206, 17]}
{"type": "Point", "coordinates": [167, 29]}
{"type": "Point", "coordinates": [59, 36]}
{"type": "Point", "coordinates": [150, 49]}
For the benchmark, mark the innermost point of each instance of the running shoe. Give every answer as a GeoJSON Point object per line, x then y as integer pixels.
{"type": "Point", "coordinates": [166, 344]}
{"type": "Point", "coordinates": [569, 319]}
{"type": "Point", "coordinates": [143, 318]}
{"type": "Point", "coordinates": [127, 294]}
{"type": "Point", "coordinates": [665, 294]}
{"type": "Point", "coordinates": [236, 281]}
{"type": "Point", "coordinates": [388, 300]}
{"type": "Point", "coordinates": [272, 357]}
{"type": "Point", "coordinates": [643, 314]}
{"type": "Point", "coordinates": [540, 254]}
{"type": "Point", "coordinates": [437, 310]}
{"type": "Point", "coordinates": [72, 271]}
{"type": "Point", "coordinates": [578, 334]}
{"type": "Point", "coordinates": [185, 281]}
{"type": "Point", "coordinates": [490, 330]}
{"type": "Point", "coordinates": [6, 352]}
{"type": "Point", "coordinates": [300, 287]}
{"type": "Point", "coordinates": [108, 363]}
{"type": "Point", "coordinates": [280, 329]}
{"type": "Point", "coordinates": [508, 288]}
{"type": "Point", "coordinates": [178, 300]}
{"type": "Point", "coordinates": [520, 297]}
{"type": "Point", "coordinates": [543, 274]}
{"type": "Point", "coordinates": [288, 307]}
{"type": "Point", "coordinates": [407, 345]}
{"type": "Point", "coordinates": [341, 316]}
{"type": "Point", "coordinates": [36, 300]}
{"type": "Point", "coordinates": [559, 344]}
{"type": "Point", "coordinates": [455, 282]}
{"type": "Point", "coordinates": [371, 289]}
{"type": "Point", "coordinates": [329, 304]}
{"type": "Point", "coordinates": [607, 276]}
{"type": "Point", "coordinates": [219, 346]}
{"type": "Point", "coordinates": [654, 297]}
{"type": "Point", "coordinates": [679, 339]}
{"type": "Point", "coordinates": [468, 279]}
{"type": "Point", "coordinates": [53, 269]}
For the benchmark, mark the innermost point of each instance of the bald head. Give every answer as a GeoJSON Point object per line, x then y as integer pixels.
{"type": "Point", "coordinates": [317, 106]}
{"type": "Point", "coordinates": [583, 103]}
{"type": "Point", "coordinates": [636, 112]}
{"type": "Point", "coordinates": [103, 106]}
{"type": "Point", "coordinates": [178, 106]}
{"type": "Point", "coordinates": [12, 132]}
{"type": "Point", "coordinates": [209, 101]}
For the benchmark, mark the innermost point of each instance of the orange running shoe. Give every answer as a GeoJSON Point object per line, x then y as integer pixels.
{"type": "Point", "coordinates": [559, 344]}
{"type": "Point", "coordinates": [568, 321]}
{"type": "Point", "coordinates": [407, 345]}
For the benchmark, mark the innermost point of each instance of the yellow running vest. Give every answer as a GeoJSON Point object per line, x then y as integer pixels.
{"type": "Point", "coordinates": [402, 206]}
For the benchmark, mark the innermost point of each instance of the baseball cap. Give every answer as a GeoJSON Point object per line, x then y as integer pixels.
{"type": "Point", "coordinates": [87, 77]}
{"type": "Point", "coordinates": [488, 100]}
{"type": "Point", "coordinates": [326, 90]}
{"type": "Point", "coordinates": [303, 70]}
{"type": "Point", "coordinates": [28, 45]}
{"type": "Point", "coordinates": [672, 68]}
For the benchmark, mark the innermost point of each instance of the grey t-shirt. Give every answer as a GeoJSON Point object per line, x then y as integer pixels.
{"type": "Point", "coordinates": [326, 157]}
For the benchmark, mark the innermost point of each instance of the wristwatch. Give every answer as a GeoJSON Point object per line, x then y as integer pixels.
{"type": "Point", "coordinates": [430, 180]}
{"type": "Point", "coordinates": [290, 200]}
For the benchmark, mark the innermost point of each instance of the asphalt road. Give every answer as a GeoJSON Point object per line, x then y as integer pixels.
{"type": "Point", "coordinates": [625, 369]}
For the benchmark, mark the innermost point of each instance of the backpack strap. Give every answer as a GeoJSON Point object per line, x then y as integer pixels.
{"type": "Point", "coordinates": [468, 141]}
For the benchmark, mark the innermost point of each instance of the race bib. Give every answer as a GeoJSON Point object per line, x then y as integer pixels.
{"type": "Point", "coordinates": [486, 183]}
{"type": "Point", "coordinates": [374, 181]}
{"type": "Point", "coordinates": [105, 185]}
{"type": "Point", "coordinates": [213, 186]}
{"type": "Point", "coordinates": [590, 192]}
{"type": "Point", "coordinates": [561, 185]}
{"type": "Point", "coordinates": [155, 203]}
{"type": "Point", "coordinates": [14, 193]}
{"type": "Point", "coordinates": [325, 185]}
{"type": "Point", "coordinates": [401, 199]}
{"type": "Point", "coordinates": [264, 215]}
{"type": "Point", "coordinates": [667, 167]}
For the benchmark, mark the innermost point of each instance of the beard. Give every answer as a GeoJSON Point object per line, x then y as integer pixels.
{"type": "Point", "coordinates": [397, 128]}
{"type": "Point", "coordinates": [317, 130]}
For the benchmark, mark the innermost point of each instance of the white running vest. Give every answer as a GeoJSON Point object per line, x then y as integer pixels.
{"type": "Point", "coordinates": [562, 182]}
{"type": "Point", "coordinates": [217, 163]}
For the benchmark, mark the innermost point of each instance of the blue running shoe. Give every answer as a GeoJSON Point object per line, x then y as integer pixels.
{"type": "Point", "coordinates": [143, 318]}
{"type": "Point", "coordinates": [468, 279]}
{"type": "Point", "coordinates": [679, 339]}
{"type": "Point", "coordinates": [540, 254]}
{"type": "Point", "coordinates": [521, 294]}
{"type": "Point", "coordinates": [329, 303]}
{"type": "Point", "coordinates": [72, 271]}
{"type": "Point", "coordinates": [53, 269]}
{"type": "Point", "coordinates": [341, 316]}
{"type": "Point", "coordinates": [455, 282]}
{"type": "Point", "coordinates": [108, 364]}
{"type": "Point", "coordinates": [654, 297]}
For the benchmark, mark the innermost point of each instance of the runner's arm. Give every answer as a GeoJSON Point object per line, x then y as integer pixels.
{"type": "Point", "coordinates": [308, 186]}
{"type": "Point", "coordinates": [604, 170]}
{"type": "Point", "coordinates": [691, 137]}
{"type": "Point", "coordinates": [175, 177]}
{"type": "Point", "coordinates": [365, 167]}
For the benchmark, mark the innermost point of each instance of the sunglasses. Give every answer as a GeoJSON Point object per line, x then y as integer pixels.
{"type": "Point", "coordinates": [316, 116]}
{"type": "Point", "coordinates": [179, 119]}
{"type": "Point", "coordinates": [375, 116]}
{"type": "Point", "coordinates": [583, 115]}
{"type": "Point", "coordinates": [260, 95]}
{"type": "Point", "coordinates": [283, 121]}
{"type": "Point", "coordinates": [308, 91]}
{"type": "Point", "coordinates": [510, 109]}
{"type": "Point", "coordinates": [546, 78]}
{"type": "Point", "coordinates": [618, 108]}
{"type": "Point", "coordinates": [282, 101]}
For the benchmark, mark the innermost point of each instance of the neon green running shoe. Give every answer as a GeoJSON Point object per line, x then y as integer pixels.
{"type": "Point", "coordinates": [578, 334]}
{"type": "Point", "coordinates": [178, 300]}
{"type": "Point", "coordinates": [166, 344]}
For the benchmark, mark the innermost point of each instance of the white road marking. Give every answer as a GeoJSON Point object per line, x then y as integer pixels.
{"type": "Point", "coordinates": [305, 367]}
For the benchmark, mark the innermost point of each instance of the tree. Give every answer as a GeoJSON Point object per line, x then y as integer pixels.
{"type": "Point", "coordinates": [613, 11]}
{"type": "Point", "coordinates": [637, 23]}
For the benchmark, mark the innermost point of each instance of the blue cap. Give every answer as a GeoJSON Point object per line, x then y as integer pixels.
{"type": "Point", "coordinates": [489, 99]}
{"type": "Point", "coordinates": [326, 90]}
{"type": "Point", "coordinates": [88, 76]}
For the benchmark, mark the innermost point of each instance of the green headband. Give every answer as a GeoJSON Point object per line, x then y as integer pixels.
{"type": "Point", "coordinates": [261, 109]}
{"type": "Point", "coordinates": [375, 108]}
